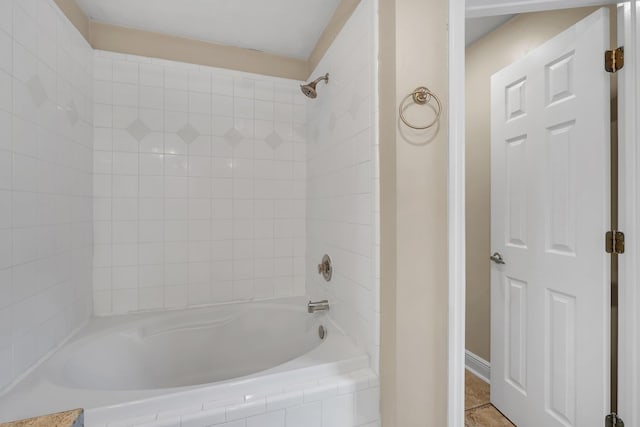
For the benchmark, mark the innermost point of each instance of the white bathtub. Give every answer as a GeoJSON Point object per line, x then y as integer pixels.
{"type": "Point", "coordinates": [139, 367]}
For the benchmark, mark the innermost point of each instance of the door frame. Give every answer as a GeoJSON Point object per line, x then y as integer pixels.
{"type": "Point", "coordinates": [628, 221]}
{"type": "Point", "coordinates": [629, 191]}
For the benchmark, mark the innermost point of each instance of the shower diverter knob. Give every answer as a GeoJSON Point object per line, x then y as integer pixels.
{"type": "Point", "coordinates": [325, 268]}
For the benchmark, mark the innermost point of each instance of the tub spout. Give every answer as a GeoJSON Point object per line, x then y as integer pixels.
{"type": "Point", "coordinates": [314, 306]}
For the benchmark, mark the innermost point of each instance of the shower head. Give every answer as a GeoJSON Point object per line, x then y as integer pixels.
{"type": "Point", "coordinates": [309, 89]}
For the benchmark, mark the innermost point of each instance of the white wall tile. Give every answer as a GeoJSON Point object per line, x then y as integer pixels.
{"type": "Point", "coordinates": [124, 300]}
{"type": "Point", "coordinates": [341, 183]}
{"type": "Point", "coordinates": [5, 366]}
{"type": "Point", "coordinates": [239, 423]}
{"type": "Point", "coordinates": [24, 29]}
{"type": "Point", "coordinates": [339, 411]}
{"type": "Point", "coordinates": [125, 185]}
{"type": "Point", "coordinates": [151, 164]}
{"type": "Point", "coordinates": [102, 92]}
{"type": "Point", "coordinates": [5, 209]}
{"type": "Point", "coordinates": [6, 100]}
{"type": "Point", "coordinates": [203, 418]}
{"type": "Point", "coordinates": [46, 168]}
{"type": "Point", "coordinates": [176, 100]}
{"type": "Point", "coordinates": [6, 14]}
{"type": "Point", "coordinates": [6, 169]}
{"type": "Point", "coordinates": [123, 116]}
{"type": "Point", "coordinates": [367, 405]}
{"type": "Point", "coordinates": [308, 415]}
{"type": "Point", "coordinates": [125, 95]}
{"type": "Point", "coordinates": [6, 250]}
{"type": "Point", "coordinates": [125, 72]}
{"type": "Point", "coordinates": [152, 143]}
{"type": "Point", "coordinates": [102, 115]}
{"type": "Point", "coordinates": [151, 97]}
{"type": "Point", "coordinates": [199, 102]}
{"type": "Point", "coordinates": [151, 75]}
{"type": "Point", "coordinates": [151, 298]}
{"type": "Point", "coordinates": [102, 139]}
{"type": "Point", "coordinates": [271, 419]}
{"type": "Point", "coordinates": [175, 192]}
{"type": "Point", "coordinates": [6, 130]}
{"type": "Point", "coordinates": [150, 186]}
{"type": "Point", "coordinates": [200, 80]}
{"type": "Point", "coordinates": [176, 78]}
{"type": "Point", "coordinates": [102, 161]}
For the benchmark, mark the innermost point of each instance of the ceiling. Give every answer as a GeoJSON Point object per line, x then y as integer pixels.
{"type": "Point", "coordinates": [478, 8]}
{"type": "Point", "coordinates": [284, 27]}
{"type": "Point", "coordinates": [476, 28]}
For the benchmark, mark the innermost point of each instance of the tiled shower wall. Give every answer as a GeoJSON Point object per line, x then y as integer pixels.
{"type": "Point", "coordinates": [199, 185]}
{"type": "Point", "coordinates": [45, 182]}
{"type": "Point", "coordinates": [342, 181]}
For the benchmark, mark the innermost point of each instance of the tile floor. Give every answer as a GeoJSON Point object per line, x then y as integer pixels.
{"type": "Point", "coordinates": [479, 412]}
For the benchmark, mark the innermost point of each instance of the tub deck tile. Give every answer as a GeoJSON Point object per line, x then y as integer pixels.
{"type": "Point", "coordinates": [202, 418]}
{"type": "Point", "coordinates": [133, 421]}
{"type": "Point", "coordinates": [320, 392]}
{"type": "Point", "coordinates": [245, 410]}
{"type": "Point", "coordinates": [221, 403]}
{"type": "Point", "coordinates": [284, 400]}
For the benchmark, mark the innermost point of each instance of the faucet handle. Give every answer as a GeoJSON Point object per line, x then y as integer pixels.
{"type": "Point", "coordinates": [325, 268]}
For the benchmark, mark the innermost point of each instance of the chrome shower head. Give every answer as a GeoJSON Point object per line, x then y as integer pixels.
{"type": "Point", "coordinates": [309, 89]}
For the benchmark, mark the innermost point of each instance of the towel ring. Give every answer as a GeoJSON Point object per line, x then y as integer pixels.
{"type": "Point", "coordinates": [421, 95]}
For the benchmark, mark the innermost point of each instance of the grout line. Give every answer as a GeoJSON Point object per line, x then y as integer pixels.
{"type": "Point", "coordinates": [479, 405]}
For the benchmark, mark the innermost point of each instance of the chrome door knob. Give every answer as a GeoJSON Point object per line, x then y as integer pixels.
{"type": "Point", "coordinates": [497, 258]}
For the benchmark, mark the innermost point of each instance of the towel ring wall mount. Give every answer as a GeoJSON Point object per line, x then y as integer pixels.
{"type": "Point", "coordinates": [421, 96]}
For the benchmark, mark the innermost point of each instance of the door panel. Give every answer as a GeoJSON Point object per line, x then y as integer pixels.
{"type": "Point", "coordinates": [550, 209]}
{"type": "Point", "coordinates": [516, 192]}
{"type": "Point", "coordinates": [561, 338]}
{"type": "Point", "coordinates": [516, 349]}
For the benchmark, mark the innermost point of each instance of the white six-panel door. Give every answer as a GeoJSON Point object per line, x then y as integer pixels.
{"type": "Point", "coordinates": [550, 196]}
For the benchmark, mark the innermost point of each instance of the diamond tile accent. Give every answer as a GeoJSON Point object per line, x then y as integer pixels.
{"type": "Point", "coordinates": [355, 105]}
{"type": "Point", "coordinates": [188, 133]}
{"type": "Point", "coordinates": [36, 89]}
{"type": "Point", "coordinates": [233, 136]}
{"type": "Point", "coordinates": [138, 129]}
{"type": "Point", "coordinates": [72, 113]}
{"type": "Point", "coordinates": [274, 140]}
{"type": "Point", "coordinates": [332, 122]}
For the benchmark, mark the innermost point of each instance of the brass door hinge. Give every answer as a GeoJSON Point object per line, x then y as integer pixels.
{"type": "Point", "coordinates": [614, 59]}
{"type": "Point", "coordinates": [612, 420]}
{"type": "Point", "coordinates": [614, 242]}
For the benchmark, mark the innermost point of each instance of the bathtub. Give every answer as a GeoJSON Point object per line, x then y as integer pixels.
{"type": "Point", "coordinates": [193, 367]}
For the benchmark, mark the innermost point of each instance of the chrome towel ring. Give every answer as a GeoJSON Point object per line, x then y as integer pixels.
{"type": "Point", "coordinates": [421, 96]}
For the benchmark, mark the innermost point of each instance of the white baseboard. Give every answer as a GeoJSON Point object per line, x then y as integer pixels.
{"type": "Point", "coordinates": [478, 366]}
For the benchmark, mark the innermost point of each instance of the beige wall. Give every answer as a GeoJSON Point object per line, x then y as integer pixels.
{"type": "Point", "coordinates": [413, 167]}
{"type": "Point", "coordinates": [76, 16]}
{"type": "Point", "coordinates": [483, 58]}
{"type": "Point", "coordinates": [131, 41]}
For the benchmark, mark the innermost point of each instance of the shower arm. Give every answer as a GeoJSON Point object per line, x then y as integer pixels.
{"type": "Point", "coordinates": [319, 79]}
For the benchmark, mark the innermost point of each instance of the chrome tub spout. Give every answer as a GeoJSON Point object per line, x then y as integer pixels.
{"type": "Point", "coordinates": [314, 306]}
